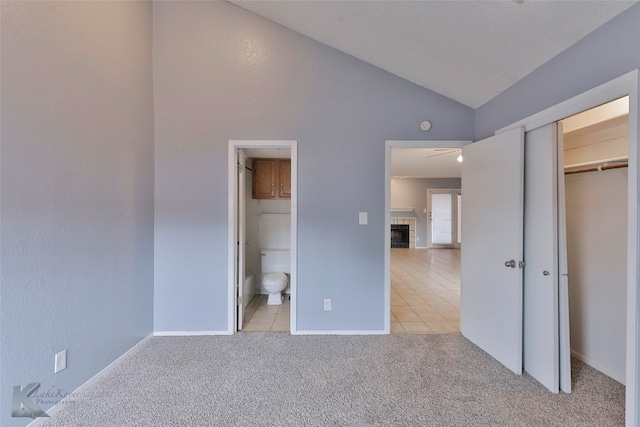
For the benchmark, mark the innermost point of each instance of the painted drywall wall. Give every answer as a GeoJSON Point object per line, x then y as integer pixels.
{"type": "Point", "coordinates": [76, 191]}
{"type": "Point", "coordinates": [412, 193]}
{"type": "Point", "coordinates": [596, 204]}
{"type": "Point", "coordinates": [601, 56]}
{"type": "Point", "coordinates": [223, 73]}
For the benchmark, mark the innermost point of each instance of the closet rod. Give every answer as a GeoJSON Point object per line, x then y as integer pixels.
{"type": "Point", "coordinates": [598, 168]}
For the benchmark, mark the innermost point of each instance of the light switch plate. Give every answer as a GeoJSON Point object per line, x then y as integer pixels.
{"type": "Point", "coordinates": [363, 218]}
{"type": "Point", "coordinates": [60, 361]}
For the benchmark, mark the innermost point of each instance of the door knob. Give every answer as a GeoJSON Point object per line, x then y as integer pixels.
{"type": "Point", "coordinates": [510, 263]}
{"type": "Point", "coordinates": [546, 273]}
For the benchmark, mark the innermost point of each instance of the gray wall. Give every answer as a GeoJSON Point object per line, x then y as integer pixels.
{"type": "Point", "coordinates": [76, 191]}
{"type": "Point", "coordinates": [223, 73]}
{"type": "Point", "coordinates": [608, 52]}
{"type": "Point", "coordinates": [412, 193]}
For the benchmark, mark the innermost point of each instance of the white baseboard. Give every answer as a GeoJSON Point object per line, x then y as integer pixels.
{"type": "Point", "coordinates": [598, 367]}
{"type": "Point", "coordinates": [368, 332]}
{"type": "Point", "coordinates": [56, 408]}
{"type": "Point", "coordinates": [189, 333]}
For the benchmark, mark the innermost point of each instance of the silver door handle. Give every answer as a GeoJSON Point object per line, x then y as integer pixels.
{"type": "Point", "coordinates": [546, 273]}
{"type": "Point", "coordinates": [510, 263]}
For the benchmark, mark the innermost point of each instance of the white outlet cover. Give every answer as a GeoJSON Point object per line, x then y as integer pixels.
{"type": "Point", "coordinates": [363, 218]}
{"type": "Point", "coordinates": [327, 304]}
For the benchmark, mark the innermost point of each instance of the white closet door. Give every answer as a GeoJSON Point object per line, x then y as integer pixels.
{"type": "Point", "coordinates": [541, 323]}
{"type": "Point", "coordinates": [492, 225]}
{"type": "Point", "coordinates": [563, 270]}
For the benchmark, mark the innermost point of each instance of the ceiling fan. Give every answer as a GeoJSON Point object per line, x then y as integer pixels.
{"type": "Point", "coordinates": [442, 152]}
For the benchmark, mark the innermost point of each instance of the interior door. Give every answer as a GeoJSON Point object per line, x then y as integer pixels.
{"type": "Point", "coordinates": [541, 310]}
{"type": "Point", "coordinates": [492, 225]}
{"type": "Point", "coordinates": [240, 262]}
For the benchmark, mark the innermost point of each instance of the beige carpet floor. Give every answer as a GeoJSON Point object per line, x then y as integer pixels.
{"type": "Point", "coordinates": [275, 379]}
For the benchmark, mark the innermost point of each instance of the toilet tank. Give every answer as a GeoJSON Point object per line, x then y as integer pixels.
{"type": "Point", "coordinates": [274, 261]}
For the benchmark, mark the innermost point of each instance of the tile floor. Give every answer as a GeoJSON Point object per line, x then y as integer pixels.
{"type": "Point", "coordinates": [425, 295]}
{"type": "Point", "coordinates": [425, 290]}
{"type": "Point", "coordinates": [260, 317]}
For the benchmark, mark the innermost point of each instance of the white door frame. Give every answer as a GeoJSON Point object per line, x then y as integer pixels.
{"type": "Point", "coordinates": [390, 144]}
{"type": "Point", "coordinates": [454, 216]}
{"type": "Point", "coordinates": [614, 89]}
{"type": "Point", "coordinates": [234, 145]}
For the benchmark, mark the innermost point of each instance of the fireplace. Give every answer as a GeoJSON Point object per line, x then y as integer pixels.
{"type": "Point", "coordinates": [399, 235]}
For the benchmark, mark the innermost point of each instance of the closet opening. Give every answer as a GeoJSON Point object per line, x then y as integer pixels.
{"type": "Point", "coordinates": [596, 182]}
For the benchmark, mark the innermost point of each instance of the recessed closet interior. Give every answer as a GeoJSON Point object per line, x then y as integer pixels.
{"type": "Point", "coordinates": [595, 158]}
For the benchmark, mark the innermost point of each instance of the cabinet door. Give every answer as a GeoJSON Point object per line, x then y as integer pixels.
{"type": "Point", "coordinates": [284, 175]}
{"type": "Point", "coordinates": [264, 178]}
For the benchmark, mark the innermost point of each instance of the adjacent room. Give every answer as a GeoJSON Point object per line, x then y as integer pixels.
{"type": "Point", "coordinates": [426, 209]}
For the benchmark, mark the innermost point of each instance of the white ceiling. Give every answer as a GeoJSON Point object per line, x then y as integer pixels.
{"type": "Point", "coordinates": [469, 51]}
{"type": "Point", "coordinates": [426, 162]}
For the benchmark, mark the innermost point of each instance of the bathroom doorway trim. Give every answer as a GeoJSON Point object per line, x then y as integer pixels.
{"type": "Point", "coordinates": [234, 145]}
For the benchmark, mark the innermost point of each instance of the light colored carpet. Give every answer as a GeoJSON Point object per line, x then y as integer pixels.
{"type": "Point", "coordinates": [274, 379]}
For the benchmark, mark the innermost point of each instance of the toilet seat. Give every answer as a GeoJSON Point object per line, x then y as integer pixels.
{"type": "Point", "coordinates": [275, 283]}
{"type": "Point", "coordinates": [274, 278]}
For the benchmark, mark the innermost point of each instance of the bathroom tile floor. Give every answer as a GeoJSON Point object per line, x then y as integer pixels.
{"type": "Point", "coordinates": [425, 295]}
{"type": "Point", "coordinates": [425, 291]}
{"type": "Point", "coordinates": [260, 317]}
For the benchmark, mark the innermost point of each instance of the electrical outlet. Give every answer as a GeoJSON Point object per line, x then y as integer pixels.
{"type": "Point", "coordinates": [327, 304]}
{"type": "Point", "coordinates": [363, 218]}
{"type": "Point", "coordinates": [60, 362]}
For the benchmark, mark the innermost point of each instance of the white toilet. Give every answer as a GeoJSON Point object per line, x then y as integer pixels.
{"type": "Point", "coordinates": [275, 266]}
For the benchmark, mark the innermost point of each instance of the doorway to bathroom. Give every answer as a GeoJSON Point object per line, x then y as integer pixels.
{"type": "Point", "coordinates": [262, 239]}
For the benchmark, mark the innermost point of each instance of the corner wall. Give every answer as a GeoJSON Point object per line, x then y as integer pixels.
{"type": "Point", "coordinates": [223, 73]}
{"type": "Point", "coordinates": [76, 190]}
{"type": "Point", "coordinates": [601, 56]}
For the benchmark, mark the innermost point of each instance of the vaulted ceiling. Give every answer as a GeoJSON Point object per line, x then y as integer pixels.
{"type": "Point", "coordinates": [468, 51]}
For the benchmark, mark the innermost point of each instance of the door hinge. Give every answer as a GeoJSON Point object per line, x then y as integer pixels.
{"type": "Point", "coordinates": [239, 300]}
{"type": "Point", "coordinates": [240, 168]}
{"type": "Point", "coordinates": [521, 264]}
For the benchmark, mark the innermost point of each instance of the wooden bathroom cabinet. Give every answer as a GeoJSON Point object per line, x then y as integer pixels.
{"type": "Point", "coordinates": [271, 179]}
